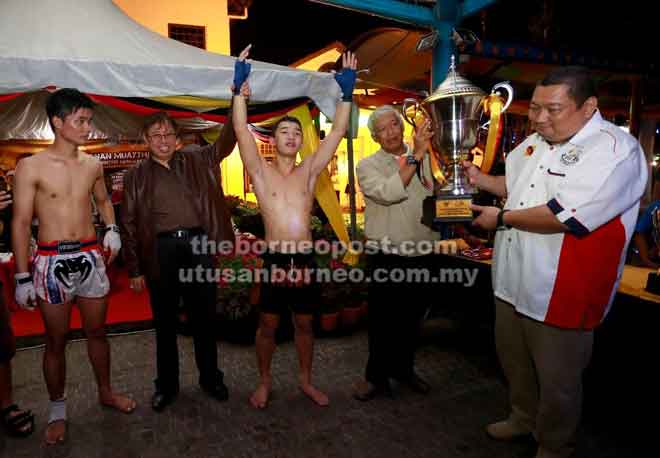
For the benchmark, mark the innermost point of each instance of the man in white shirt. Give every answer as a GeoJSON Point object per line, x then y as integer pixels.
{"type": "Point", "coordinates": [573, 191]}
{"type": "Point", "coordinates": [394, 191]}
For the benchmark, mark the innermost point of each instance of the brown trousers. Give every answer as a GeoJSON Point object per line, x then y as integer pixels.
{"type": "Point", "coordinates": [543, 365]}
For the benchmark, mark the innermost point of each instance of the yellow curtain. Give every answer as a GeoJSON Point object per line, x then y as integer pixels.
{"type": "Point", "coordinates": [190, 102]}
{"type": "Point", "coordinates": [210, 136]}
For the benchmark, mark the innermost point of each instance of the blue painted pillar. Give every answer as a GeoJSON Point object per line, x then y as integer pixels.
{"type": "Point", "coordinates": [442, 53]}
{"type": "Point", "coordinates": [443, 17]}
{"type": "Point", "coordinates": [446, 15]}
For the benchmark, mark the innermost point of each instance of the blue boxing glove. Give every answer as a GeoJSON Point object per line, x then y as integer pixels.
{"type": "Point", "coordinates": [241, 73]}
{"type": "Point", "coordinates": [346, 80]}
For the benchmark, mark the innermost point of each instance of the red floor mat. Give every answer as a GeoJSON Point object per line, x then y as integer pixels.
{"type": "Point", "coordinates": [125, 307]}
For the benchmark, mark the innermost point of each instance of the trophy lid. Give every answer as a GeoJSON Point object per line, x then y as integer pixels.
{"type": "Point", "coordinates": [454, 85]}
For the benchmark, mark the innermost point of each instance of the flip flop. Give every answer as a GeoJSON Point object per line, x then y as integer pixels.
{"type": "Point", "coordinates": [15, 424]}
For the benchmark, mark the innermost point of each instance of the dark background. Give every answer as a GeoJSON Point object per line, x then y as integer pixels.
{"type": "Point", "coordinates": [283, 31]}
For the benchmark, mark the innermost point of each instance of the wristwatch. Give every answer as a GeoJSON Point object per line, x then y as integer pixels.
{"type": "Point", "coordinates": [411, 160]}
{"type": "Point", "coordinates": [500, 220]}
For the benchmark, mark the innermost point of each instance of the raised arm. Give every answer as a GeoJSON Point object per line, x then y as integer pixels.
{"type": "Point", "coordinates": [246, 144]}
{"type": "Point", "coordinates": [421, 140]}
{"type": "Point", "coordinates": [346, 80]}
{"type": "Point", "coordinates": [225, 143]}
{"type": "Point", "coordinates": [221, 148]}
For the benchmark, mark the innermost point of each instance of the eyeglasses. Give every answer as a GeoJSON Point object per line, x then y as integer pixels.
{"type": "Point", "coordinates": [162, 137]}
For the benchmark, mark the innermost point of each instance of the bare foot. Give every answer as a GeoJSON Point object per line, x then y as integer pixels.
{"type": "Point", "coordinates": [315, 395]}
{"type": "Point", "coordinates": [55, 432]}
{"type": "Point", "coordinates": [121, 403]}
{"type": "Point", "coordinates": [259, 398]}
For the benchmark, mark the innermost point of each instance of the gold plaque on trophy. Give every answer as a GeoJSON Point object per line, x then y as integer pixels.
{"type": "Point", "coordinates": [453, 208]}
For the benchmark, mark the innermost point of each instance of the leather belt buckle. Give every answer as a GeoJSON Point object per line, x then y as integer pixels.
{"type": "Point", "coordinates": [68, 246]}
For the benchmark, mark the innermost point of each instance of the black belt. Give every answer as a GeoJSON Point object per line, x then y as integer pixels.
{"type": "Point", "coordinates": [182, 234]}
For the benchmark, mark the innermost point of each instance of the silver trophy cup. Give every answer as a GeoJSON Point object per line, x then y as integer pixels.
{"type": "Point", "coordinates": [454, 109]}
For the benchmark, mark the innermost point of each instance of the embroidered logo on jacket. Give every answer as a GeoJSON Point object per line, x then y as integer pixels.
{"type": "Point", "coordinates": [570, 157]}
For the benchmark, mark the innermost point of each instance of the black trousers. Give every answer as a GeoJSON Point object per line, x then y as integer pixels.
{"type": "Point", "coordinates": [396, 309]}
{"type": "Point", "coordinates": [7, 340]}
{"type": "Point", "coordinates": [176, 258]}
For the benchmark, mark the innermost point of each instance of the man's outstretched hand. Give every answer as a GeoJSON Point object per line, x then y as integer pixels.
{"type": "Point", "coordinates": [346, 77]}
{"type": "Point", "coordinates": [241, 70]}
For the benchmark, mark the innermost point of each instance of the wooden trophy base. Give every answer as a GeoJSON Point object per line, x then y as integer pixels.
{"type": "Point", "coordinates": [446, 209]}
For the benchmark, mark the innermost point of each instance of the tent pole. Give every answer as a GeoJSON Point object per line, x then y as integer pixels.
{"type": "Point", "coordinates": [637, 87]}
{"type": "Point", "coordinates": [351, 174]}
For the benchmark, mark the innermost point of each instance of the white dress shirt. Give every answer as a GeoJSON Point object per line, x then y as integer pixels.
{"type": "Point", "coordinates": [593, 184]}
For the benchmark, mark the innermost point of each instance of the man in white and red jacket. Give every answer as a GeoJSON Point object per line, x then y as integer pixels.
{"type": "Point", "coordinates": [573, 191]}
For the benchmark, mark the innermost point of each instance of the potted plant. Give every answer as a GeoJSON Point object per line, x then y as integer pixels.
{"type": "Point", "coordinates": [237, 297]}
{"type": "Point", "coordinates": [350, 294]}
{"type": "Point", "coordinates": [246, 216]}
{"type": "Point", "coordinates": [353, 309]}
{"type": "Point", "coordinates": [329, 311]}
{"type": "Point", "coordinates": [342, 289]}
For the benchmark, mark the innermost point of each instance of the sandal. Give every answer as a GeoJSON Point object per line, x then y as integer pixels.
{"type": "Point", "coordinates": [16, 424]}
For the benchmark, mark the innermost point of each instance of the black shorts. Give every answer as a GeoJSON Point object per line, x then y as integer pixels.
{"type": "Point", "coordinates": [285, 286]}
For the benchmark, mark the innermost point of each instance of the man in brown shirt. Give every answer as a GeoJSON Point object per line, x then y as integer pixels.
{"type": "Point", "coordinates": [173, 202]}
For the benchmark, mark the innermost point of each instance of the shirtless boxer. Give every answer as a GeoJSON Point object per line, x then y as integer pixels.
{"type": "Point", "coordinates": [285, 192]}
{"type": "Point", "coordinates": [56, 186]}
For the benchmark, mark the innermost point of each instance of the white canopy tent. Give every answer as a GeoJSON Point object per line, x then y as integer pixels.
{"type": "Point", "coordinates": [93, 46]}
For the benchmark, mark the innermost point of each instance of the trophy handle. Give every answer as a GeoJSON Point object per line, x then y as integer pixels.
{"type": "Point", "coordinates": [436, 167]}
{"type": "Point", "coordinates": [495, 106]}
{"type": "Point", "coordinates": [509, 90]}
{"type": "Point", "coordinates": [495, 93]}
{"type": "Point", "coordinates": [407, 104]}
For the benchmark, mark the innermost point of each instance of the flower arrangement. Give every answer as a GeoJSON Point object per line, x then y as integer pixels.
{"type": "Point", "coordinates": [237, 294]}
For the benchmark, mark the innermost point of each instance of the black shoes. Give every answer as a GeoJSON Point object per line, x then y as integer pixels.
{"type": "Point", "coordinates": [417, 384]}
{"type": "Point", "coordinates": [161, 400]}
{"type": "Point", "coordinates": [365, 391]}
{"type": "Point", "coordinates": [217, 390]}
